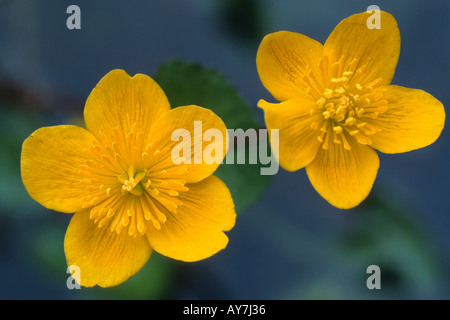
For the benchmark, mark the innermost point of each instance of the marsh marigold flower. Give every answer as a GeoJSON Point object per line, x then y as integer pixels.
{"type": "Point", "coordinates": [118, 177]}
{"type": "Point", "coordinates": [337, 105]}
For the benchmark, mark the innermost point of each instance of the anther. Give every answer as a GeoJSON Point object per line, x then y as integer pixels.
{"type": "Point", "coordinates": [338, 129]}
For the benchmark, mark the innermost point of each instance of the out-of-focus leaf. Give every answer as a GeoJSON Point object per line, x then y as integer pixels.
{"type": "Point", "coordinates": [188, 83]}
{"type": "Point", "coordinates": [386, 234]}
{"type": "Point", "coordinates": [154, 281]}
{"type": "Point", "coordinates": [15, 126]}
{"type": "Point", "coordinates": [242, 18]}
{"type": "Point", "coordinates": [185, 84]}
{"type": "Point", "coordinates": [46, 246]}
{"type": "Point", "coordinates": [382, 231]}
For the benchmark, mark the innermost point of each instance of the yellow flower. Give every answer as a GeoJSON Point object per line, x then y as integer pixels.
{"type": "Point", "coordinates": [337, 105]}
{"type": "Point", "coordinates": [118, 176]}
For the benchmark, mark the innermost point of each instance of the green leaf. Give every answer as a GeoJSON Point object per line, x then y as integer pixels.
{"type": "Point", "coordinates": [15, 125]}
{"type": "Point", "coordinates": [155, 280]}
{"type": "Point", "coordinates": [243, 19]}
{"type": "Point", "coordinates": [388, 233]}
{"type": "Point", "coordinates": [185, 84]}
{"type": "Point", "coordinates": [46, 246]}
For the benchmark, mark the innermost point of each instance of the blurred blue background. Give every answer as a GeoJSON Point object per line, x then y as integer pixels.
{"type": "Point", "coordinates": [290, 243]}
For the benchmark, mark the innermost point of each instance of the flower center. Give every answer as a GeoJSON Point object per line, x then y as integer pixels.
{"type": "Point", "coordinates": [345, 107]}
{"type": "Point", "coordinates": [131, 184]}
{"type": "Point", "coordinates": [131, 181]}
{"type": "Point", "coordinates": [338, 109]}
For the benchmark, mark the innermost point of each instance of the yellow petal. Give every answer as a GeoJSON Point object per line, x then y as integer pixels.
{"type": "Point", "coordinates": [344, 177]}
{"type": "Point", "coordinates": [50, 166]}
{"type": "Point", "coordinates": [195, 231]}
{"type": "Point", "coordinates": [283, 59]}
{"type": "Point", "coordinates": [414, 119]}
{"type": "Point", "coordinates": [120, 101]}
{"type": "Point", "coordinates": [298, 143]}
{"type": "Point", "coordinates": [377, 49]}
{"type": "Point", "coordinates": [104, 257]}
{"type": "Point", "coordinates": [184, 141]}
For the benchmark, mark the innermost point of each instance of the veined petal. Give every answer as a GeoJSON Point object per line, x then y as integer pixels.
{"type": "Point", "coordinates": [190, 138]}
{"type": "Point", "coordinates": [50, 166]}
{"type": "Point", "coordinates": [120, 101]}
{"type": "Point", "coordinates": [195, 231]}
{"type": "Point", "coordinates": [298, 143]}
{"type": "Point", "coordinates": [283, 59]}
{"type": "Point", "coordinates": [344, 177]}
{"type": "Point", "coordinates": [414, 119]}
{"type": "Point", "coordinates": [377, 49]}
{"type": "Point", "coordinates": [105, 258]}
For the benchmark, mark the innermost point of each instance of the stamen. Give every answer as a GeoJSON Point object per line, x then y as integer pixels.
{"type": "Point", "coordinates": [131, 184]}
{"type": "Point", "coordinates": [325, 141]}
{"type": "Point", "coordinates": [350, 121]}
{"type": "Point", "coordinates": [352, 65]}
{"type": "Point", "coordinates": [338, 129]}
{"type": "Point", "coordinates": [345, 142]}
{"type": "Point", "coordinates": [347, 105]}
